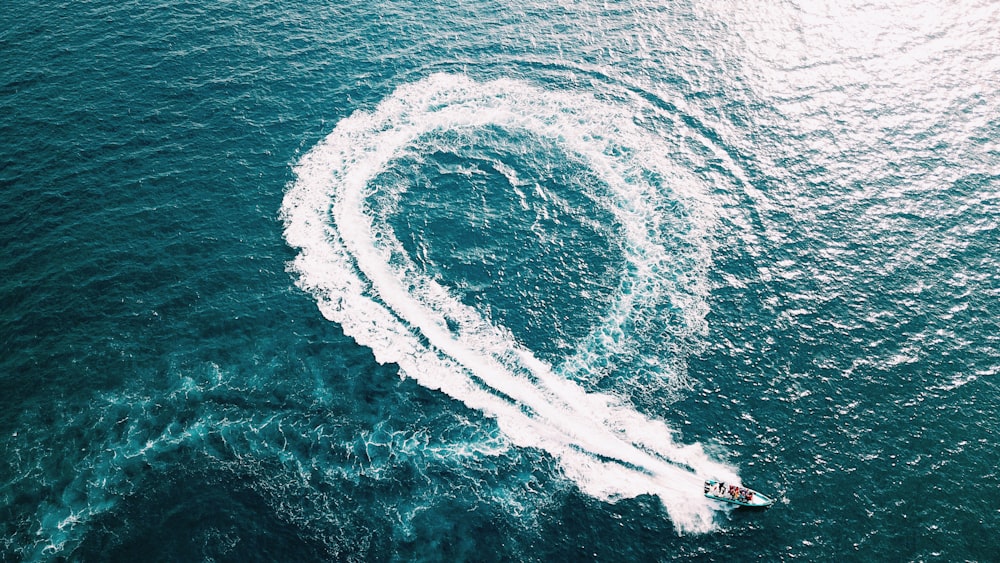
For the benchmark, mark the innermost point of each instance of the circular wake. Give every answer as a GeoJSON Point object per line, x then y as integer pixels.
{"type": "Point", "coordinates": [351, 260]}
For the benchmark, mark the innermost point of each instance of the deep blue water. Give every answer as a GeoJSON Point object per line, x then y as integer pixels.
{"type": "Point", "coordinates": [498, 281]}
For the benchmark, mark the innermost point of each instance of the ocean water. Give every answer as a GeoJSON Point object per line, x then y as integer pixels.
{"type": "Point", "coordinates": [498, 280]}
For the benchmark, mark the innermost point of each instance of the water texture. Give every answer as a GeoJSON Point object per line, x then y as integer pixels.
{"type": "Point", "coordinates": [498, 281]}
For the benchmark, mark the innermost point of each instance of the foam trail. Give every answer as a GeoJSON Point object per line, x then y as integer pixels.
{"type": "Point", "coordinates": [363, 279]}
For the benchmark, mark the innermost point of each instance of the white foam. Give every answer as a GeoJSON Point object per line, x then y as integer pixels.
{"type": "Point", "coordinates": [364, 280]}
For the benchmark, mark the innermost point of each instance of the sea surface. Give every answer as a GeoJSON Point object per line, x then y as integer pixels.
{"type": "Point", "coordinates": [498, 280]}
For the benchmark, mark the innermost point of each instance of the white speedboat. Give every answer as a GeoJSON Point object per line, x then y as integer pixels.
{"type": "Point", "coordinates": [736, 494]}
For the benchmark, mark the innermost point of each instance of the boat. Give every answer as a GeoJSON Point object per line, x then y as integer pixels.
{"type": "Point", "coordinates": [736, 494]}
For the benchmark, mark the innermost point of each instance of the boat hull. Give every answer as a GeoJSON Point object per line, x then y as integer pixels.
{"type": "Point", "coordinates": [737, 495]}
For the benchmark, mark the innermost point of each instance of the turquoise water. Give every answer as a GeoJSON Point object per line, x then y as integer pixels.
{"type": "Point", "coordinates": [498, 281]}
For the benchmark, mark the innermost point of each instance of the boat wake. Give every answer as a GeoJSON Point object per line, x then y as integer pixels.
{"type": "Point", "coordinates": [351, 260]}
